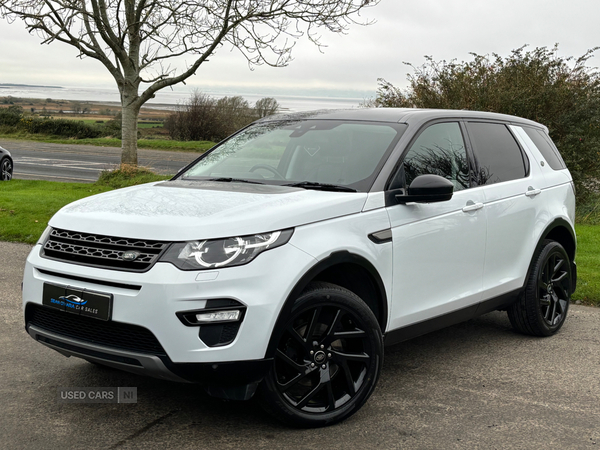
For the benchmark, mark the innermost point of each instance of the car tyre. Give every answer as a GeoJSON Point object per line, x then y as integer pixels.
{"type": "Point", "coordinates": [328, 359]}
{"type": "Point", "coordinates": [542, 309]}
{"type": "Point", "coordinates": [6, 169]}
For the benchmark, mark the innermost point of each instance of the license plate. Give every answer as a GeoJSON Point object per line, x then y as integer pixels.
{"type": "Point", "coordinates": [81, 302]}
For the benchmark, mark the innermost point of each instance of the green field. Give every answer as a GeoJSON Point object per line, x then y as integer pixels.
{"type": "Point", "coordinates": [141, 124]}
{"type": "Point", "coordinates": [26, 206]}
{"type": "Point", "coordinates": [149, 144]}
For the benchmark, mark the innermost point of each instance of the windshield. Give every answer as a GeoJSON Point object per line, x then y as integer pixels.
{"type": "Point", "coordinates": [306, 153]}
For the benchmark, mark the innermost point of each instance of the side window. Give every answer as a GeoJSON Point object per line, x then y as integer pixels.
{"type": "Point", "coordinates": [500, 157]}
{"type": "Point", "coordinates": [548, 151]}
{"type": "Point", "coordinates": [439, 150]}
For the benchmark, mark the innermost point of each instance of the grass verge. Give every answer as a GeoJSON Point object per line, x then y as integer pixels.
{"type": "Point", "coordinates": [26, 206]}
{"type": "Point", "coordinates": [150, 144]}
{"type": "Point", "coordinates": [588, 264]}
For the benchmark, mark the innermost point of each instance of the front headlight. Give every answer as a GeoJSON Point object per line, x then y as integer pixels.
{"type": "Point", "coordinates": [227, 252]}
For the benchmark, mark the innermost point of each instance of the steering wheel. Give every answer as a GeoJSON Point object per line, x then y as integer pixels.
{"type": "Point", "coordinates": [269, 168]}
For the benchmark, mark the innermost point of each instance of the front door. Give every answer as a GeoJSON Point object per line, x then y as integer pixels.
{"type": "Point", "coordinates": [439, 248]}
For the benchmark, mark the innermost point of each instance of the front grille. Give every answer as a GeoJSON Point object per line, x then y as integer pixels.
{"type": "Point", "coordinates": [102, 251]}
{"type": "Point", "coordinates": [115, 335]}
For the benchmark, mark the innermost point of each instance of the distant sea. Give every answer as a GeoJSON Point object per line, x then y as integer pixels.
{"type": "Point", "coordinates": [168, 99]}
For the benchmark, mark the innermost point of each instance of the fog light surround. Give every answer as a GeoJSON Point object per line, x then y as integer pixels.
{"type": "Point", "coordinates": [214, 312]}
{"type": "Point", "coordinates": [218, 323]}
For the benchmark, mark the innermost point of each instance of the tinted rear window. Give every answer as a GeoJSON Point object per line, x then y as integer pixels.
{"type": "Point", "coordinates": [499, 156]}
{"type": "Point", "coordinates": [548, 151]}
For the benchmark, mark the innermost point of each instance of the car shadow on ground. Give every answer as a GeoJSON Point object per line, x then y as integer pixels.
{"type": "Point", "coordinates": [167, 410]}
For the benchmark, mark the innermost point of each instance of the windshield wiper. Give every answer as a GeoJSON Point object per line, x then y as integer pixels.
{"type": "Point", "coordinates": [321, 186]}
{"type": "Point", "coordinates": [238, 180]}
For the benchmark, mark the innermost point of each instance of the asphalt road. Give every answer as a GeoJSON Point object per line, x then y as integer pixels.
{"type": "Point", "coordinates": [478, 385]}
{"type": "Point", "coordinates": [82, 163]}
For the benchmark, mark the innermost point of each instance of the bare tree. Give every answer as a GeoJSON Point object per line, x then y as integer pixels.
{"type": "Point", "coordinates": [203, 117]}
{"type": "Point", "coordinates": [265, 107]}
{"type": "Point", "coordinates": [194, 120]}
{"type": "Point", "coordinates": [140, 41]}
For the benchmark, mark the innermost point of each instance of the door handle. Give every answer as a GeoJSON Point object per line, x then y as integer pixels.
{"type": "Point", "coordinates": [531, 192]}
{"type": "Point", "coordinates": [472, 206]}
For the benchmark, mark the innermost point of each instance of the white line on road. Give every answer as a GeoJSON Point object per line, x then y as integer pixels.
{"type": "Point", "coordinates": [62, 163]}
{"type": "Point", "coordinates": [23, 174]}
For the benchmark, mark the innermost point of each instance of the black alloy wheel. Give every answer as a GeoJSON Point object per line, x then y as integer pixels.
{"type": "Point", "coordinates": [542, 310]}
{"type": "Point", "coordinates": [6, 169]}
{"type": "Point", "coordinates": [328, 359]}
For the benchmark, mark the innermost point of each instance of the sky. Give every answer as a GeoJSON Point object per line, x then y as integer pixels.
{"type": "Point", "coordinates": [404, 31]}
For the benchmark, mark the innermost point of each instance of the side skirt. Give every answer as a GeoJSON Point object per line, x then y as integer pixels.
{"type": "Point", "coordinates": [437, 323]}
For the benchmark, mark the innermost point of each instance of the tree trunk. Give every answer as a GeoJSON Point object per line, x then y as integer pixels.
{"type": "Point", "coordinates": [129, 129]}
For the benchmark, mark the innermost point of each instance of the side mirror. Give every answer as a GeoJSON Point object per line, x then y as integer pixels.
{"type": "Point", "coordinates": [427, 189]}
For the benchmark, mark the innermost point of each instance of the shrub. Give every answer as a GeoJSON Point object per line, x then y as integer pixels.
{"type": "Point", "coordinates": [8, 118]}
{"type": "Point", "coordinates": [559, 92]}
{"type": "Point", "coordinates": [113, 128]}
{"type": "Point", "coordinates": [194, 120]}
{"type": "Point", "coordinates": [127, 175]}
{"type": "Point", "coordinates": [60, 127]}
{"type": "Point", "coordinates": [204, 118]}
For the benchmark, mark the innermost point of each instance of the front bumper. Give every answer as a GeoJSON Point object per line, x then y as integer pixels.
{"type": "Point", "coordinates": [229, 374]}
{"type": "Point", "coordinates": [151, 300]}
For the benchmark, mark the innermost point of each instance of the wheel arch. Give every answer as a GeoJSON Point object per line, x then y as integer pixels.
{"type": "Point", "coordinates": [559, 230]}
{"type": "Point", "coordinates": [346, 270]}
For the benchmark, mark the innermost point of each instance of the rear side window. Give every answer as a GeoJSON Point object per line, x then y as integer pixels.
{"type": "Point", "coordinates": [500, 157]}
{"type": "Point", "coordinates": [548, 151]}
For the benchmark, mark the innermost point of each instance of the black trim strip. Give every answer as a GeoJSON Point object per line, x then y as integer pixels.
{"type": "Point", "coordinates": [429, 325]}
{"type": "Point", "coordinates": [381, 237]}
{"type": "Point", "coordinates": [133, 287]}
{"type": "Point", "coordinates": [437, 323]}
{"type": "Point", "coordinates": [89, 352]}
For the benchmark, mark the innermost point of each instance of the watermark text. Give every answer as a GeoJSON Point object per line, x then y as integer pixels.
{"type": "Point", "coordinates": [97, 395]}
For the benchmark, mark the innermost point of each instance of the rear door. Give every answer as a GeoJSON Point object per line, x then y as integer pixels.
{"type": "Point", "coordinates": [512, 188]}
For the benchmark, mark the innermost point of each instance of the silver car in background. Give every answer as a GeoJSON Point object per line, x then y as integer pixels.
{"type": "Point", "coordinates": [6, 165]}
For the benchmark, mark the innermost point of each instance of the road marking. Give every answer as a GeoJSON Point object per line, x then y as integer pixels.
{"type": "Point", "coordinates": [63, 163]}
{"type": "Point", "coordinates": [37, 177]}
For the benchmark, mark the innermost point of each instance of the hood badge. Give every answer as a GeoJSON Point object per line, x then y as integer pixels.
{"type": "Point", "coordinates": [130, 255]}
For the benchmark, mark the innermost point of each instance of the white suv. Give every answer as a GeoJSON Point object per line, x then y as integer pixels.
{"type": "Point", "coordinates": [282, 260]}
